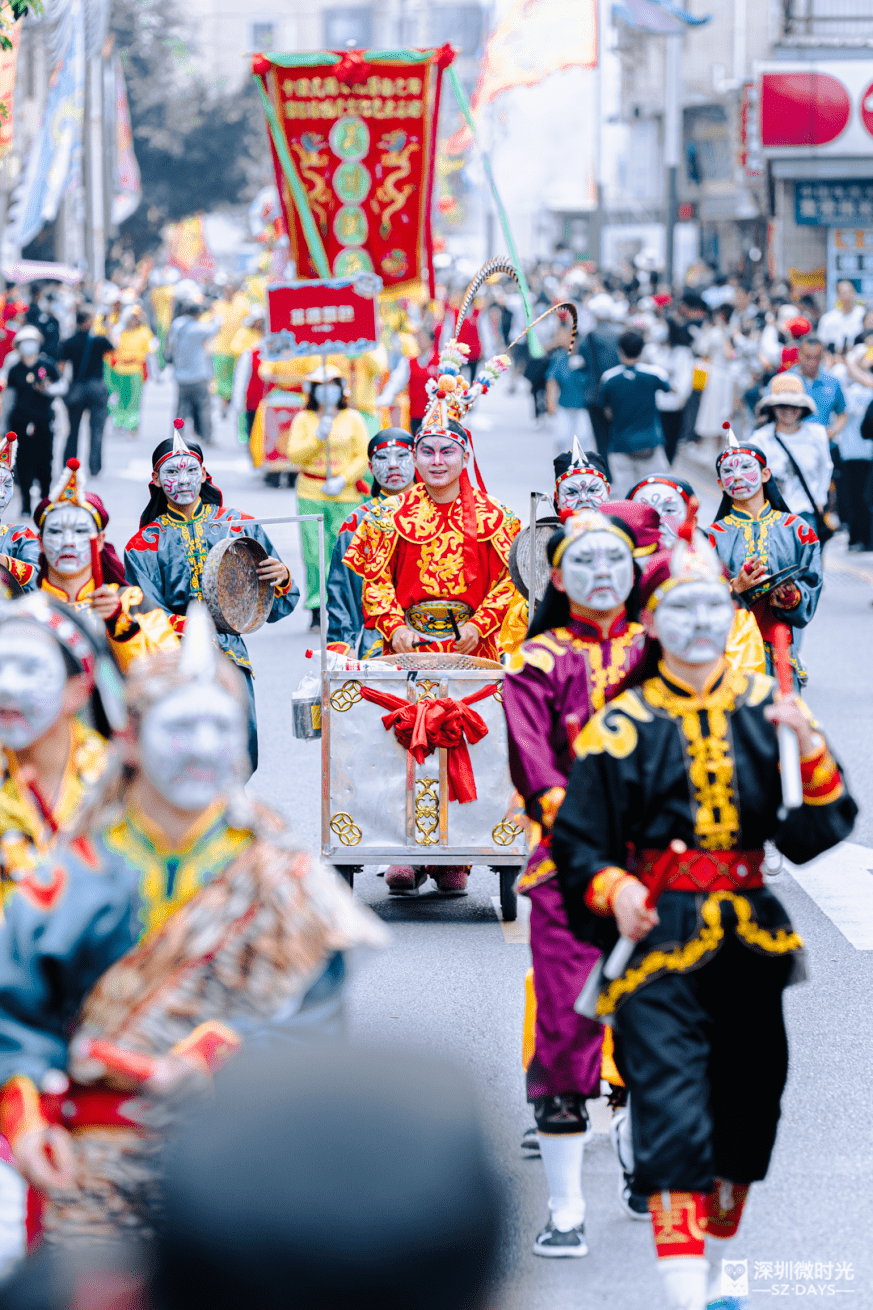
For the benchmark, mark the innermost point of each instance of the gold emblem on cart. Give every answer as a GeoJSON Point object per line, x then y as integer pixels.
{"type": "Point", "coordinates": [506, 833]}
{"type": "Point", "coordinates": [346, 829]}
{"type": "Point", "coordinates": [498, 694]}
{"type": "Point", "coordinates": [426, 689]}
{"type": "Point", "coordinates": [346, 696]}
{"type": "Point", "coordinates": [427, 811]}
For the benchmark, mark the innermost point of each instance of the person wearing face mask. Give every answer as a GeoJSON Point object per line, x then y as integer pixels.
{"type": "Point", "coordinates": [581, 482]}
{"type": "Point", "coordinates": [94, 1025]}
{"type": "Point", "coordinates": [19, 544]}
{"type": "Point", "coordinates": [585, 646]}
{"type": "Point", "coordinates": [179, 526]}
{"type": "Point", "coordinates": [328, 442]}
{"type": "Point", "coordinates": [434, 560]}
{"type": "Point", "coordinates": [59, 703]}
{"type": "Point", "coordinates": [675, 501]}
{"type": "Point", "coordinates": [31, 415]}
{"type": "Point", "coordinates": [670, 496]}
{"type": "Point", "coordinates": [692, 756]}
{"type": "Point", "coordinates": [72, 524]}
{"type": "Point", "coordinates": [60, 699]}
{"type": "Point", "coordinates": [393, 469]}
{"type": "Point", "coordinates": [756, 537]}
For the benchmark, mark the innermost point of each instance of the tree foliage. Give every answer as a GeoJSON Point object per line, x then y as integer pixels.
{"type": "Point", "coordinates": [197, 149]}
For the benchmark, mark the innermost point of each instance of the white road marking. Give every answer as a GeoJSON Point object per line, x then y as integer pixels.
{"type": "Point", "coordinates": [841, 884]}
{"type": "Point", "coordinates": [518, 933]}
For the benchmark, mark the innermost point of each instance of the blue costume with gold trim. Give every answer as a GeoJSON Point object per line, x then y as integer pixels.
{"type": "Point", "coordinates": [21, 544]}
{"type": "Point", "coordinates": [166, 558]}
{"type": "Point", "coordinates": [782, 540]}
{"type": "Point", "coordinates": [345, 589]}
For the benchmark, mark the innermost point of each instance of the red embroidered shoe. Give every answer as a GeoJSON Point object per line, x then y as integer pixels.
{"type": "Point", "coordinates": [402, 878]}
{"type": "Point", "coordinates": [451, 878]}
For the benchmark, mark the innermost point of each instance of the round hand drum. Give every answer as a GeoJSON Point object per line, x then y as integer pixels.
{"type": "Point", "coordinates": [238, 600]}
{"type": "Point", "coordinates": [519, 557]}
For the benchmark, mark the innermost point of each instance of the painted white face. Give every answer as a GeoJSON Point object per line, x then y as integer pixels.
{"type": "Point", "coordinates": [393, 467]}
{"type": "Point", "coordinates": [181, 477]}
{"type": "Point", "coordinates": [66, 539]}
{"type": "Point", "coordinates": [598, 570]}
{"type": "Point", "coordinates": [670, 505]}
{"type": "Point", "coordinates": [582, 491]}
{"type": "Point", "coordinates": [29, 351]}
{"type": "Point", "coordinates": [7, 483]}
{"type": "Point", "coordinates": [192, 746]}
{"type": "Point", "coordinates": [694, 619]}
{"type": "Point", "coordinates": [740, 475]}
{"type": "Point", "coordinates": [33, 678]}
{"type": "Point", "coordinates": [328, 394]}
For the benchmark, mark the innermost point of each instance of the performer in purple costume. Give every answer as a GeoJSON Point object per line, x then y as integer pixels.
{"type": "Point", "coordinates": [584, 648]}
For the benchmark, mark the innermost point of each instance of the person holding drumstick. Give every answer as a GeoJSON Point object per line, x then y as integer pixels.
{"type": "Point", "coordinates": [179, 526]}
{"type": "Point", "coordinates": [78, 566]}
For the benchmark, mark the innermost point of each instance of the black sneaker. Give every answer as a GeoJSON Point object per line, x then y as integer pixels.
{"type": "Point", "coordinates": [634, 1205]}
{"type": "Point", "coordinates": [557, 1245]}
{"type": "Point", "coordinates": [530, 1144]}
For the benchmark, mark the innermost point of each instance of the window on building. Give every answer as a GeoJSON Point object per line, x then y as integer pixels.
{"type": "Point", "coordinates": [708, 155]}
{"type": "Point", "coordinates": [343, 27]}
{"type": "Point", "coordinates": [263, 36]}
{"type": "Point", "coordinates": [828, 18]}
{"type": "Point", "coordinates": [460, 25]}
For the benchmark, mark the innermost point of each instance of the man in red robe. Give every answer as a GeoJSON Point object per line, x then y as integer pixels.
{"type": "Point", "coordinates": [434, 560]}
{"type": "Point", "coordinates": [434, 567]}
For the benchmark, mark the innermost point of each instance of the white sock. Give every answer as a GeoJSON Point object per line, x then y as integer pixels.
{"type": "Point", "coordinates": [562, 1156]}
{"type": "Point", "coordinates": [685, 1281]}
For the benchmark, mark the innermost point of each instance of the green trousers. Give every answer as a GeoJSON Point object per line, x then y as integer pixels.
{"type": "Point", "coordinates": [127, 389]}
{"type": "Point", "coordinates": [222, 367]}
{"type": "Point", "coordinates": [334, 515]}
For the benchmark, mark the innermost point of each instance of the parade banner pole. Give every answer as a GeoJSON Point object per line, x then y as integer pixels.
{"type": "Point", "coordinates": [310, 230]}
{"type": "Point", "coordinates": [533, 343]}
{"type": "Point", "coordinates": [532, 570]}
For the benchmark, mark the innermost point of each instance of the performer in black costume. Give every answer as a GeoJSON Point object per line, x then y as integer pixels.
{"type": "Point", "coordinates": [692, 755]}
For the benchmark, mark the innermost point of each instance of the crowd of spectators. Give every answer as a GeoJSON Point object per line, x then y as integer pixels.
{"type": "Point", "coordinates": [717, 349]}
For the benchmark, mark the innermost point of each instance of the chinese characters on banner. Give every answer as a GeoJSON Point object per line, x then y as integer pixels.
{"type": "Point", "coordinates": [353, 146]}
{"type": "Point", "coordinates": [332, 317]}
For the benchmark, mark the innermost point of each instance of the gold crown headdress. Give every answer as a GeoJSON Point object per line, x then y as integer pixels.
{"type": "Point", "coordinates": [70, 490]}
{"type": "Point", "coordinates": [589, 520]}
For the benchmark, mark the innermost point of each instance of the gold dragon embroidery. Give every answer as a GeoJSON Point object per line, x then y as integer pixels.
{"type": "Point", "coordinates": [312, 153]}
{"type": "Point", "coordinates": [398, 148]}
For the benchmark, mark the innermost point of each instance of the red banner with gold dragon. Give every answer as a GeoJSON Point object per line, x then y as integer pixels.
{"type": "Point", "coordinates": [353, 137]}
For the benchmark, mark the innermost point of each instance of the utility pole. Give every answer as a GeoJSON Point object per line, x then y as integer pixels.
{"type": "Point", "coordinates": [95, 198]}
{"type": "Point", "coordinates": [672, 140]}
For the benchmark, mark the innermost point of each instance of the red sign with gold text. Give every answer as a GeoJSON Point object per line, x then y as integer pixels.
{"type": "Point", "coordinates": [360, 134]}
{"type": "Point", "coordinates": [331, 318]}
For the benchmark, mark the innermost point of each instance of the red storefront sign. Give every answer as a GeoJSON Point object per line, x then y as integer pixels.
{"type": "Point", "coordinates": [826, 105]}
{"type": "Point", "coordinates": [331, 317]}
{"type": "Point", "coordinates": [352, 137]}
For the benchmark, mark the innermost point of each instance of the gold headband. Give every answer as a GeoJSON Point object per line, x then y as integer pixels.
{"type": "Point", "coordinates": [589, 521]}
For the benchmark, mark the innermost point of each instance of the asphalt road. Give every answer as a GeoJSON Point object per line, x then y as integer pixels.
{"type": "Point", "coordinates": [452, 979]}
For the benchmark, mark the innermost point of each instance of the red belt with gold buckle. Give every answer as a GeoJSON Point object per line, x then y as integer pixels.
{"type": "Point", "coordinates": [706, 871]}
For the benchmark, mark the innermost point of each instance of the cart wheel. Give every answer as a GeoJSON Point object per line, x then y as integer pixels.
{"type": "Point", "coordinates": [508, 894]}
{"type": "Point", "coordinates": [348, 871]}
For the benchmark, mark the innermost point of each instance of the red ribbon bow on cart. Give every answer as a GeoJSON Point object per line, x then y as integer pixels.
{"type": "Point", "coordinates": [422, 726]}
